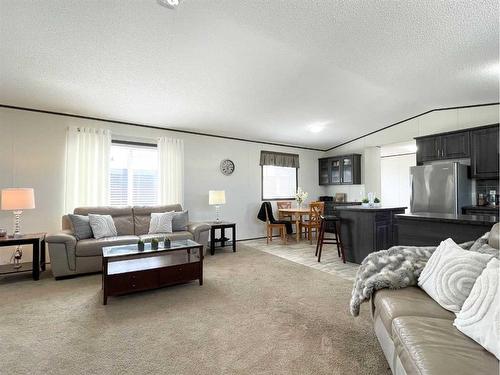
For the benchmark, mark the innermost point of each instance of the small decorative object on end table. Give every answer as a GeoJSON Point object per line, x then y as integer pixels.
{"type": "Point", "coordinates": [222, 225]}
{"type": "Point", "coordinates": [216, 198]}
{"type": "Point", "coordinates": [37, 240]}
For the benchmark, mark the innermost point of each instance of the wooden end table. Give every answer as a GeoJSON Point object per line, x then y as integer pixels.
{"type": "Point", "coordinates": [222, 225]}
{"type": "Point", "coordinates": [37, 240]}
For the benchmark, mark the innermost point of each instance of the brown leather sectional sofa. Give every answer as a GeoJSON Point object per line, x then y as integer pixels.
{"type": "Point", "coordinates": [418, 337]}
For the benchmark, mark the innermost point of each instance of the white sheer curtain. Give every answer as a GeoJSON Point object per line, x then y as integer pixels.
{"type": "Point", "coordinates": [171, 170]}
{"type": "Point", "coordinates": [87, 167]}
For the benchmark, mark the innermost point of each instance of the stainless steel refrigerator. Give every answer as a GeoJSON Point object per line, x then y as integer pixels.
{"type": "Point", "coordinates": [443, 188]}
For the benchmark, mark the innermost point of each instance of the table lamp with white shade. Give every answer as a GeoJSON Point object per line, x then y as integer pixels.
{"type": "Point", "coordinates": [17, 200]}
{"type": "Point", "coordinates": [216, 198]}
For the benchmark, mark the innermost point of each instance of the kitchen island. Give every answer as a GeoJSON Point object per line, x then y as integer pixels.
{"type": "Point", "coordinates": [367, 229]}
{"type": "Point", "coordinates": [429, 229]}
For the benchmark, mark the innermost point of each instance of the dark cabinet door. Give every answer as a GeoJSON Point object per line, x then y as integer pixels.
{"type": "Point", "coordinates": [324, 172]}
{"type": "Point", "coordinates": [346, 165]}
{"type": "Point", "coordinates": [484, 152]}
{"type": "Point", "coordinates": [335, 171]}
{"type": "Point", "coordinates": [428, 149]}
{"type": "Point", "coordinates": [455, 146]}
{"type": "Point", "coordinates": [383, 235]}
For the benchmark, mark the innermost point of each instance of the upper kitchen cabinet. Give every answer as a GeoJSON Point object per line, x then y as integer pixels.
{"type": "Point", "coordinates": [427, 149]}
{"type": "Point", "coordinates": [324, 172]}
{"type": "Point", "coordinates": [484, 153]}
{"type": "Point", "coordinates": [454, 145]}
{"type": "Point", "coordinates": [340, 170]}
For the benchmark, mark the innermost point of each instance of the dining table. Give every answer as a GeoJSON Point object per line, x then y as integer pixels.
{"type": "Point", "coordinates": [297, 214]}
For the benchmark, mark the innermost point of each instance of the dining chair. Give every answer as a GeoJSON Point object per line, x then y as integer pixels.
{"type": "Point", "coordinates": [271, 226]}
{"type": "Point", "coordinates": [313, 223]}
{"type": "Point", "coordinates": [283, 215]}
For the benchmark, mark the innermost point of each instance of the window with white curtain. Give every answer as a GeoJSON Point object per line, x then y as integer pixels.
{"type": "Point", "coordinates": [278, 182]}
{"type": "Point", "coordinates": [133, 175]}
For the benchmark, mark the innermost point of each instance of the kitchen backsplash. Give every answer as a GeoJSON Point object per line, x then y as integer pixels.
{"type": "Point", "coordinates": [485, 186]}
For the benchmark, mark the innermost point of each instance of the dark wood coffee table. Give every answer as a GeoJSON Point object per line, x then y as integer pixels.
{"type": "Point", "coordinates": [125, 269]}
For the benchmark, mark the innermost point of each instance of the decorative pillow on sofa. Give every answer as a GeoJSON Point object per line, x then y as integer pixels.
{"type": "Point", "coordinates": [102, 226]}
{"type": "Point", "coordinates": [450, 273]}
{"type": "Point", "coordinates": [480, 315]}
{"type": "Point", "coordinates": [81, 226]}
{"type": "Point", "coordinates": [161, 222]}
{"type": "Point", "coordinates": [180, 221]}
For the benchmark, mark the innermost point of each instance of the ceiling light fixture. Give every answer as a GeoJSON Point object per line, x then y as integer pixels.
{"type": "Point", "coordinates": [316, 127]}
{"type": "Point", "coordinates": [170, 4]}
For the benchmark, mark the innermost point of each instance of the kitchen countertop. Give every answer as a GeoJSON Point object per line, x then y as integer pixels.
{"type": "Point", "coordinates": [485, 208]}
{"type": "Point", "coordinates": [450, 218]}
{"type": "Point", "coordinates": [370, 209]}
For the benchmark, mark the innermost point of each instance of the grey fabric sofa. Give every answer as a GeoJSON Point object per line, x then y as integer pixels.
{"type": "Point", "coordinates": [71, 257]}
{"type": "Point", "coordinates": [417, 335]}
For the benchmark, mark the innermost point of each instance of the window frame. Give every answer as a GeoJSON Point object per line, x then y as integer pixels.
{"type": "Point", "coordinates": [130, 143]}
{"type": "Point", "coordinates": [276, 199]}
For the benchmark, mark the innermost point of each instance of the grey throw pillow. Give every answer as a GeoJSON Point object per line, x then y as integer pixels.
{"type": "Point", "coordinates": [102, 226]}
{"type": "Point", "coordinates": [180, 221]}
{"type": "Point", "coordinates": [81, 226]}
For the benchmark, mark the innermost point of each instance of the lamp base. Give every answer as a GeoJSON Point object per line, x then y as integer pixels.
{"type": "Point", "coordinates": [17, 224]}
{"type": "Point", "coordinates": [217, 214]}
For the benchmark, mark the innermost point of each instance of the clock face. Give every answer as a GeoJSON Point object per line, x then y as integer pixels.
{"type": "Point", "coordinates": [226, 167]}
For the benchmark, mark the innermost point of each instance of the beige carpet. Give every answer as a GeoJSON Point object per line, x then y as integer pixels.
{"type": "Point", "coordinates": [255, 314]}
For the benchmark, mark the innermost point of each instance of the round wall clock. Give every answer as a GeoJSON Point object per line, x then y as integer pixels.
{"type": "Point", "coordinates": [226, 167]}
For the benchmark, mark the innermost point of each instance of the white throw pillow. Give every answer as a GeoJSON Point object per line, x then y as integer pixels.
{"type": "Point", "coordinates": [480, 315]}
{"type": "Point", "coordinates": [102, 226]}
{"type": "Point", "coordinates": [161, 222]}
{"type": "Point", "coordinates": [450, 273]}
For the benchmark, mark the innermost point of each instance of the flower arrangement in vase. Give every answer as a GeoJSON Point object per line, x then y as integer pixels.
{"type": "Point", "coordinates": [300, 196]}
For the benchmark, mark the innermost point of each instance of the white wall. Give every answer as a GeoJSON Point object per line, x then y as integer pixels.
{"type": "Point", "coordinates": [395, 179]}
{"type": "Point", "coordinates": [431, 123]}
{"type": "Point", "coordinates": [32, 147]}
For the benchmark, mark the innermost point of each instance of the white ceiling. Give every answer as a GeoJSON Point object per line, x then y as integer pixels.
{"type": "Point", "coordinates": [263, 70]}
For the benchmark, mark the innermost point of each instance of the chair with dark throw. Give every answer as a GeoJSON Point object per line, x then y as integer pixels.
{"type": "Point", "coordinates": [312, 224]}
{"type": "Point", "coordinates": [332, 222]}
{"type": "Point", "coordinates": [266, 214]}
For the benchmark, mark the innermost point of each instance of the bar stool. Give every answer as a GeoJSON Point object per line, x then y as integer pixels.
{"type": "Point", "coordinates": [325, 219]}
